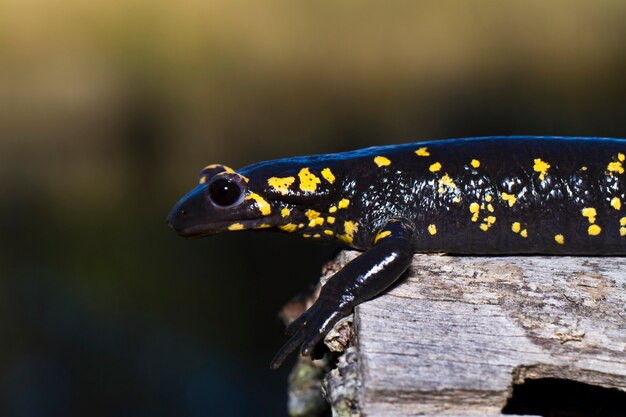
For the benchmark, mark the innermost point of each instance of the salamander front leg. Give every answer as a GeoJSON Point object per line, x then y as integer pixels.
{"type": "Point", "coordinates": [361, 279]}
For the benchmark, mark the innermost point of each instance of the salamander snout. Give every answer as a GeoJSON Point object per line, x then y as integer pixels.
{"type": "Point", "coordinates": [188, 213]}
{"type": "Point", "coordinates": [177, 219]}
{"type": "Point", "coordinates": [174, 216]}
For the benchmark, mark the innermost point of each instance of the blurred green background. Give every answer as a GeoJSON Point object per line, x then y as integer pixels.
{"type": "Point", "coordinates": [108, 110]}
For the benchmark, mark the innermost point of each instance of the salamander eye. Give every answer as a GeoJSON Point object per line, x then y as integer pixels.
{"type": "Point", "coordinates": [224, 192]}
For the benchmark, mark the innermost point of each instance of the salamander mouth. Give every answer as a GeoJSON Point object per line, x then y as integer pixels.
{"type": "Point", "coordinates": [199, 230]}
{"type": "Point", "coordinates": [207, 229]}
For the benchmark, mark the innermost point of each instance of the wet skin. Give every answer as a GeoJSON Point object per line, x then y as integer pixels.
{"type": "Point", "coordinates": [480, 196]}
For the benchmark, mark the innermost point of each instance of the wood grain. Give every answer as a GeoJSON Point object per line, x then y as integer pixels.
{"type": "Point", "coordinates": [455, 335]}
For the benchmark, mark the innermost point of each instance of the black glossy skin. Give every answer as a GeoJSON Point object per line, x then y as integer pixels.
{"type": "Point", "coordinates": [502, 195]}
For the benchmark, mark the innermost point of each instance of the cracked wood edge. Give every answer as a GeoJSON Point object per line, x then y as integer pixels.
{"type": "Point", "coordinates": [457, 332]}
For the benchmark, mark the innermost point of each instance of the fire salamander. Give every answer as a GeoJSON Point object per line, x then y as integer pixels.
{"type": "Point", "coordinates": [479, 196]}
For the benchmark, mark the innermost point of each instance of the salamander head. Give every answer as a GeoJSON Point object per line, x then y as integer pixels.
{"type": "Point", "coordinates": [223, 200]}
{"type": "Point", "coordinates": [279, 194]}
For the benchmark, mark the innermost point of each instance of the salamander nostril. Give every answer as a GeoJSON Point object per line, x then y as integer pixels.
{"type": "Point", "coordinates": [176, 217]}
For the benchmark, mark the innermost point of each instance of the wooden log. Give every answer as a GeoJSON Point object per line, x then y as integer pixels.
{"type": "Point", "coordinates": [456, 335]}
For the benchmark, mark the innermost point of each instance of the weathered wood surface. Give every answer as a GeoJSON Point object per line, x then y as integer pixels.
{"type": "Point", "coordinates": [458, 332]}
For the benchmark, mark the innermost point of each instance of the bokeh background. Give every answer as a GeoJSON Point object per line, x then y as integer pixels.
{"type": "Point", "coordinates": [108, 110]}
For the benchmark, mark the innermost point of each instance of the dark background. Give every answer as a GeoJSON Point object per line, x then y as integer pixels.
{"type": "Point", "coordinates": [109, 109]}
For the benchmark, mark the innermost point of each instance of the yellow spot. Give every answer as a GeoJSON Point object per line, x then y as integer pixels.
{"type": "Point", "coordinates": [584, 168]}
{"type": "Point", "coordinates": [318, 221]}
{"type": "Point", "coordinates": [590, 213]}
{"type": "Point", "coordinates": [475, 163]}
{"type": "Point", "coordinates": [446, 181]}
{"type": "Point", "coordinates": [490, 207]}
{"type": "Point", "coordinates": [328, 232]}
{"type": "Point", "coordinates": [236, 226]}
{"type": "Point", "coordinates": [456, 200]}
{"type": "Point", "coordinates": [330, 219]}
{"type": "Point", "coordinates": [622, 221]}
{"type": "Point", "coordinates": [422, 152]}
{"type": "Point", "coordinates": [381, 161]}
{"type": "Point", "coordinates": [328, 175]}
{"type": "Point", "coordinates": [350, 227]}
{"type": "Point", "coordinates": [285, 212]}
{"type": "Point", "coordinates": [345, 239]}
{"type": "Point", "coordinates": [432, 229]}
{"type": "Point", "coordinates": [541, 167]}
{"type": "Point", "coordinates": [381, 235]}
{"type": "Point", "coordinates": [308, 181]}
{"type": "Point", "coordinates": [224, 167]}
{"type": "Point", "coordinates": [306, 235]}
{"type": "Point", "coordinates": [281, 184]}
{"type": "Point", "coordinates": [289, 227]}
{"type": "Point", "coordinates": [516, 227]}
{"type": "Point", "coordinates": [524, 233]}
{"type": "Point", "coordinates": [621, 157]}
{"type": "Point", "coordinates": [474, 208]}
{"type": "Point", "coordinates": [343, 203]}
{"type": "Point", "coordinates": [332, 209]}
{"type": "Point", "coordinates": [488, 198]}
{"type": "Point", "coordinates": [615, 167]}
{"type": "Point", "coordinates": [312, 214]}
{"type": "Point", "coordinates": [300, 226]}
{"type": "Point", "coordinates": [489, 221]}
{"type": "Point", "coordinates": [264, 206]}
{"type": "Point", "coordinates": [510, 198]}
{"type": "Point", "coordinates": [622, 231]}
{"type": "Point", "coordinates": [263, 226]}
{"type": "Point", "coordinates": [204, 178]}
{"type": "Point", "coordinates": [435, 167]}
{"type": "Point", "coordinates": [616, 203]}
{"type": "Point", "coordinates": [594, 230]}
{"type": "Point", "coordinates": [559, 239]}
{"type": "Point", "coordinates": [317, 236]}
